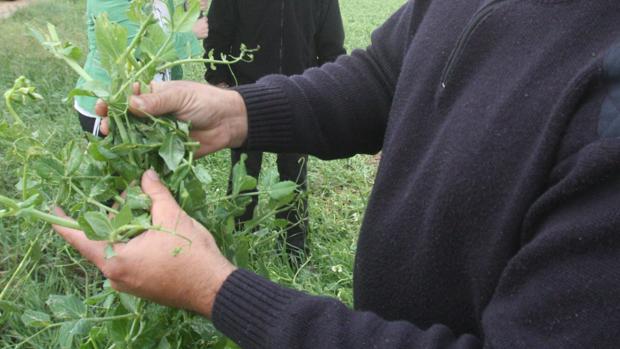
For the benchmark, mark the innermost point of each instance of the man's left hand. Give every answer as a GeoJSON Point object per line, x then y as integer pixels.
{"type": "Point", "coordinates": [182, 269]}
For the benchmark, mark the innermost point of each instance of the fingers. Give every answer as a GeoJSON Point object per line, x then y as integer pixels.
{"type": "Point", "coordinates": [101, 108]}
{"type": "Point", "coordinates": [164, 205]}
{"type": "Point", "coordinates": [163, 99]}
{"type": "Point", "coordinates": [91, 250]}
{"type": "Point", "coordinates": [104, 128]}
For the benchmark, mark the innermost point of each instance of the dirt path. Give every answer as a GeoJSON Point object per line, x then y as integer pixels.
{"type": "Point", "coordinates": [7, 8]}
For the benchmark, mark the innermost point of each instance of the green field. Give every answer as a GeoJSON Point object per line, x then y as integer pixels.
{"type": "Point", "coordinates": [31, 272]}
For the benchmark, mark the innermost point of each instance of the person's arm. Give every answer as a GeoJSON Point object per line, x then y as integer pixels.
{"type": "Point", "coordinates": [330, 36]}
{"type": "Point", "coordinates": [223, 23]}
{"type": "Point", "coordinates": [560, 289]}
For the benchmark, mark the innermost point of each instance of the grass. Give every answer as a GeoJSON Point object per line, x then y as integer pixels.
{"type": "Point", "coordinates": [338, 189]}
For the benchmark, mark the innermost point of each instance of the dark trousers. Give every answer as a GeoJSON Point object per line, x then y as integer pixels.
{"type": "Point", "coordinates": [90, 125]}
{"type": "Point", "coordinates": [292, 167]}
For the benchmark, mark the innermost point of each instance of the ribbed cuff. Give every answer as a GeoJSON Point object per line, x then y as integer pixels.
{"type": "Point", "coordinates": [269, 117]}
{"type": "Point", "coordinates": [247, 307]}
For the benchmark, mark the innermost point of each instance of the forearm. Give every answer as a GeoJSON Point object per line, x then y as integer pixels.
{"type": "Point", "coordinates": [257, 313]}
{"type": "Point", "coordinates": [336, 111]}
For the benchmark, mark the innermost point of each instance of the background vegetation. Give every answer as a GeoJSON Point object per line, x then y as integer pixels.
{"type": "Point", "coordinates": [338, 189]}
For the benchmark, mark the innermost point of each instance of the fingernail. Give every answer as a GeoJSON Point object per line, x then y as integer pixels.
{"type": "Point", "coordinates": [152, 175]}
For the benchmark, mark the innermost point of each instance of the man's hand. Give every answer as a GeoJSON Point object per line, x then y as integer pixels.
{"type": "Point", "coordinates": [148, 265]}
{"type": "Point", "coordinates": [218, 117]}
{"type": "Point", "coordinates": [201, 28]}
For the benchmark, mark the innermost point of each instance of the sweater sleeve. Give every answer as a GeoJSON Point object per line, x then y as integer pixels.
{"type": "Point", "coordinates": [222, 18]}
{"type": "Point", "coordinates": [330, 36]}
{"type": "Point", "coordinates": [560, 288]}
{"type": "Point", "coordinates": [335, 111]}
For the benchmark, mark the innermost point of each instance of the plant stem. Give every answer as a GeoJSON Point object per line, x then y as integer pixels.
{"type": "Point", "coordinates": [143, 69]}
{"type": "Point", "coordinates": [19, 268]}
{"type": "Point", "coordinates": [33, 212]}
{"type": "Point", "coordinates": [77, 68]}
{"type": "Point", "coordinates": [199, 60]}
{"type": "Point", "coordinates": [136, 40]}
{"type": "Point", "coordinates": [91, 200]}
{"type": "Point", "coordinates": [9, 107]}
{"type": "Point", "coordinates": [58, 324]}
{"type": "Point", "coordinates": [49, 218]}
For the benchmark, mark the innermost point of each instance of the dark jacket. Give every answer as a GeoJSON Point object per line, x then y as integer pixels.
{"type": "Point", "coordinates": [494, 221]}
{"type": "Point", "coordinates": [293, 35]}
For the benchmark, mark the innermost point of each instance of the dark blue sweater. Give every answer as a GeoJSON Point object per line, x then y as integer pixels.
{"type": "Point", "coordinates": [495, 215]}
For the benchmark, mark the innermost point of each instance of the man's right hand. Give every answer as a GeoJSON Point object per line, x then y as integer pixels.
{"type": "Point", "coordinates": [218, 116]}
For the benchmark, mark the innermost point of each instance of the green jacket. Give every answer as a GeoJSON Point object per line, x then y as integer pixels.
{"type": "Point", "coordinates": [117, 13]}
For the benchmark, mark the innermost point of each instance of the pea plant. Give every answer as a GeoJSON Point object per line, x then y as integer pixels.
{"type": "Point", "coordinates": [87, 177]}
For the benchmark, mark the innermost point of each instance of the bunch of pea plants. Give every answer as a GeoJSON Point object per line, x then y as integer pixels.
{"type": "Point", "coordinates": [87, 177]}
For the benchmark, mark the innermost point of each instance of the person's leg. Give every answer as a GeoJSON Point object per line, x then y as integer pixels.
{"type": "Point", "coordinates": [90, 124]}
{"type": "Point", "coordinates": [293, 167]}
{"type": "Point", "coordinates": [252, 165]}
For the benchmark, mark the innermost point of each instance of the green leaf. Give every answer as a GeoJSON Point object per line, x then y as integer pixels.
{"type": "Point", "coordinates": [178, 176]}
{"type": "Point", "coordinates": [202, 174]}
{"type": "Point", "coordinates": [100, 152]}
{"type": "Point", "coordinates": [136, 11]}
{"type": "Point", "coordinates": [96, 225]}
{"type": "Point", "coordinates": [136, 199]}
{"type": "Point", "coordinates": [103, 190]}
{"type": "Point", "coordinates": [111, 40]}
{"type": "Point", "coordinates": [49, 168]}
{"type": "Point", "coordinates": [35, 318]}
{"type": "Point", "coordinates": [69, 330]}
{"type": "Point", "coordinates": [124, 217]}
{"type": "Point", "coordinates": [183, 20]}
{"type": "Point", "coordinates": [241, 181]}
{"type": "Point", "coordinates": [282, 190]}
{"type": "Point", "coordinates": [242, 253]}
{"type": "Point", "coordinates": [71, 51]}
{"type": "Point", "coordinates": [97, 88]}
{"type": "Point", "coordinates": [172, 151]}
{"type": "Point", "coordinates": [129, 302]}
{"type": "Point", "coordinates": [93, 88]}
{"type": "Point", "coordinates": [66, 307]}
{"type": "Point", "coordinates": [78, 92]}
{"type": "Point", "coordinates": [164, 344]}
{"type": "Point", "coordinates": [9, 307]}
{"type": "Point", "coordinates": [74, 161]}
{"type": "Point", "coordinates": [127, 170]}
{"type": "Point", "coordinates": [152, 45]}
{"type": "Point", "coordinates": [118, 330]}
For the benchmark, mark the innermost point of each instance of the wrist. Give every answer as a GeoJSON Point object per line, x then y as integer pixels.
{"type": "Point", "coordinates": [237, 119]}
{"type": "Point", "coordinates": [210, 286]}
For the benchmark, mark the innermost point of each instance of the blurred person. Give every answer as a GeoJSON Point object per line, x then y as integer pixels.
{"type": "Point", "coordinates": [293, 36]}
{"type": "Point", "coordinates": [116, 11]}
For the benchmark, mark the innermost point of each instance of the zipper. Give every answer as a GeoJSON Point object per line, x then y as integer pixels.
{"type": "Point", "coordinates": [479, 17]}
{"type": "Point", "coordinates": [280, 70]}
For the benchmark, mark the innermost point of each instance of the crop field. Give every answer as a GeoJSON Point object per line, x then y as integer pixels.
{"type": "Point", "coordinates": [51, 298]}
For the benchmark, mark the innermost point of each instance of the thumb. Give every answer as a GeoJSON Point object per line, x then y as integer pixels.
{"type": "Point", "coordinates": [163, 203]}
{"type": "Point", "coordinates": [155, 103]}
